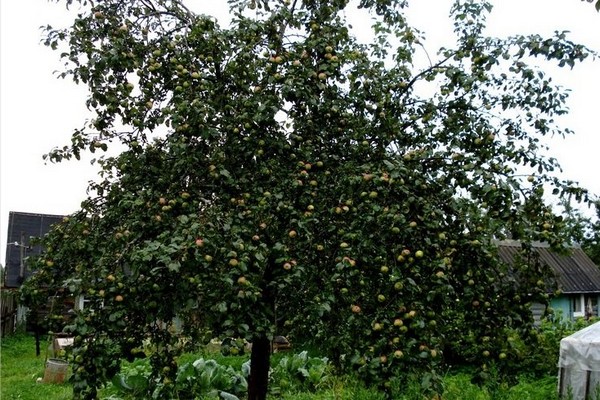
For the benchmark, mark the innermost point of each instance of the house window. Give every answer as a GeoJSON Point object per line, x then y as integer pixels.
{"type": "Point", "coordinates": [578, 306]}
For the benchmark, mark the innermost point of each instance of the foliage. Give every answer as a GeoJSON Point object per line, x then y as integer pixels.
{"type": "Point", "coordinates": [590, 242]}
{"type": "Point", "coordinates": [541, 358]}
{"type": "Point", "coordinates": [279, 177]}
{"type": "Point", "coordinates": [597, 5]}
{"type": "Point", "coordinates": [20, 368]}
{"type": "Point", "coordinates": [585, 229]}
{"type": "Point", "coordinates": [300, 371]}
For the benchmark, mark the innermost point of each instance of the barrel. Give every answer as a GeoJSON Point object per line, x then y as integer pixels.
{"type": "Point", "coordinates": [56, 370]}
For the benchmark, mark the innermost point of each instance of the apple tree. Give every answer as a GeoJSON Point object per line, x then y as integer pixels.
{"type": "Point", "coordinates": [277, 176]}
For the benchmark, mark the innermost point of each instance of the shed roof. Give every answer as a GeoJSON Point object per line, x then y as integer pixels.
{"type": "Point", "coordinates": [575, 272]}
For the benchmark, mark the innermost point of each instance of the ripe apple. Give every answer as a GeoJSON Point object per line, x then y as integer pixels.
{"type": "Point", "coordinates": [242, 280]}
{"type": "Point", "coordinates": [287, 266]}
{"type": "Point", "coordinates": [118, 298]}
{"type": "Point", "coordinates": [398, 354]}
{"type": "Point", "coordinates": [377, 326]}
{"type": "Point", "coordinates": [398, 322]}
{"type": "Point", "coordinates": [355, 309]}
{"type": "Point", "coordinates": [350, 261]}
{"type": "Point", "coordinates": [49, 263]}
{"type": "Point", "coordinates": [233, 262]}
{"type": "Point", "coordinates": [199, 242]}
{"type": "Point", "coordinates": [110, 278]}
{"type": "Point", "coordinates": [292, 233]}
{"type": "Point", "coordinates": [412, 224]}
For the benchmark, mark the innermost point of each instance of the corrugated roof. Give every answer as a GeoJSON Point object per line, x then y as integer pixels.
{"type": "Point", "coordinates": [575, 273]}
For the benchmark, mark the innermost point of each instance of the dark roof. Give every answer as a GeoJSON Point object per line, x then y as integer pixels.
{"type": "Point", "coordinates": [575, 272]}
{"type": "Point", "coordinates": [21, 228]}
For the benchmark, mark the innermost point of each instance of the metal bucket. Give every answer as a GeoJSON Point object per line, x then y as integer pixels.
{"type": "Point", "coordinates": [56, 370]}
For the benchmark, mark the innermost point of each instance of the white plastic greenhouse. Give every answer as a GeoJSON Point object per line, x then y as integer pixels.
{"type": "Point", "coordinates": [579, 365]}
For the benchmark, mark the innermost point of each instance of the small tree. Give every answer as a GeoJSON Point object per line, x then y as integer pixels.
{"type": "Point", "coordinates": [280, 177]}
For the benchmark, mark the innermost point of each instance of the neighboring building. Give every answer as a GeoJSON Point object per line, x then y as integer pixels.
{"type": "Point", "coordinates": [577, 277]}
{"type": "Point", "coordinates": [21, 228]}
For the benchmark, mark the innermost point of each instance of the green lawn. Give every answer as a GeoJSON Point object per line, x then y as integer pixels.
{"type": "Point", "coordinates": [20, 369]}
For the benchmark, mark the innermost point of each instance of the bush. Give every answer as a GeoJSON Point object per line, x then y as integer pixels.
{"type": "Point", "coordinates": [541, 357]}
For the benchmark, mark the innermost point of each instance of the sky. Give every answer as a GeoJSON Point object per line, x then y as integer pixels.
{"type": "Point", "coordinates": [39, 112]}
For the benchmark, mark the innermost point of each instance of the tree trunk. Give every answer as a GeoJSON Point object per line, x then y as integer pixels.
{"type": "Point", "coordinates": [259, 369]}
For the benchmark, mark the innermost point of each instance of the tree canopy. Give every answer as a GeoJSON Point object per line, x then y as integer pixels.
{"type": "Point", "coordinates": [280, 177]}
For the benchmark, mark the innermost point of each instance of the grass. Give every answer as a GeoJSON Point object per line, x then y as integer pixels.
{"type": "Point", "coordinates": [20, 369]}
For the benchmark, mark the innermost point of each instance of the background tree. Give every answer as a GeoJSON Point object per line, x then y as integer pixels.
{"type": "Point", "coordinates": [585, 229]}
{"type": "Point", "coordinates": [277, 176]}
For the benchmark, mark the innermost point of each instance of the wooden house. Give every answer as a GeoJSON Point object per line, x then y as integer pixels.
{"type": "Point", "coordinates": [577, 278]}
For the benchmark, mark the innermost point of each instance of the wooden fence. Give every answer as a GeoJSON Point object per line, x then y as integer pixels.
{"type": "Point", "coordinates": [8, 306]}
